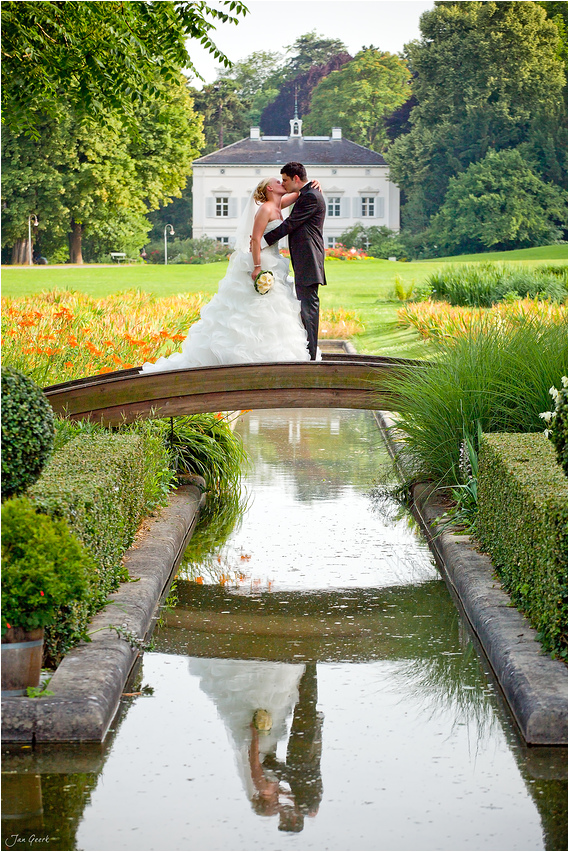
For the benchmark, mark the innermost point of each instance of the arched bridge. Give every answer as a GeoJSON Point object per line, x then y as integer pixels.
{"type": "Point", "coordinates": [338, 381]}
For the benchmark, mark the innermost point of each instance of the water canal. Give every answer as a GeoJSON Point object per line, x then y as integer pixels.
{"type": "Point", "coordinates": [382, 730]}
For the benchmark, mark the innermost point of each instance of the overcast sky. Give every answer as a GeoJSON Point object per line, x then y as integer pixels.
{"type": "Point", "coordinates": [272, 24]}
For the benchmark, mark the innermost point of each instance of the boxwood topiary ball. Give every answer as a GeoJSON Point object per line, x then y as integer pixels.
{"type": "Point", "coordinates": [27, 431]}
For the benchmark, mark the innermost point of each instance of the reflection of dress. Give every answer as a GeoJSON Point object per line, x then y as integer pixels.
{"type": "Point", "coordinates": [238, 688]}
{"type": "Point", "coordinates": [240, 325]}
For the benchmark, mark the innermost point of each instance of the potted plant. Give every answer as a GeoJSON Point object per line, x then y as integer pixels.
{"type": "Point", "coordinates": [44, 567]}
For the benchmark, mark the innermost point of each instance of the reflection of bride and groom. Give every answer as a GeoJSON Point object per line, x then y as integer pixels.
{"type": "Point", "coordinates": [241, 325]}
{"type": "Point", "coordinates": [255, 698]}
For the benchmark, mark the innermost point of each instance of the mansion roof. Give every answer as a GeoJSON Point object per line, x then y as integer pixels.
{"type": "Point", "coordinates": [276, 151]}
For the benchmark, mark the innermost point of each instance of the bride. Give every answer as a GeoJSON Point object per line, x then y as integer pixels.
{"type": "Point", "coordinates": [240, 325]}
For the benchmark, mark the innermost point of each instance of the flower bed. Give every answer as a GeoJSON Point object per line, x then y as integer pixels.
{"type": "Point", "coordinates": [58, 336]}
{"type": "Point", "coordinates": [439, 320]}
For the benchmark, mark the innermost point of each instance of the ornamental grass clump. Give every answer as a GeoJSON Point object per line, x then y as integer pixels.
{"type": "Point", "coordinates": [27, 432]}
{"type": "Point", "coordinates": [484, 284]}
{"type": "Point", "coordinates": [498, 378]}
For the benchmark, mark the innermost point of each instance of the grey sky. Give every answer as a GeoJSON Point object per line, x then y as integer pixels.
{"type": "Point", "coordinates": [272, 24]}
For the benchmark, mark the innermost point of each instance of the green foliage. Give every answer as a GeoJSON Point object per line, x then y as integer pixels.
{"type": "Point", "coordinates": [27, 431]}
{"type": "Point", "coordinates": [206, 444]}
{"type": "Point", "coordinates": [98, 180]}
{"type": "Point", "coordinates": [198, 251]}
{"type": "Point", "coordinates": [102, 58]}
{"type": "Point", "coordinates": [484, 284]}
{"type": "Point", "coordinates": [486, 76]}
{"type": "Point", "coordinates": [375, 241]}
{"type": "Point", "coordinates": [96, 483]}
{"type": "Point", "coordinates": [359, 96]}
{"type": "Point", "coordinates": [43, 566]}
{"type": "Point", "coordinates": [557, 422]}
{"type": "Point", "coordinates": [499, 202]}
{"type": "Point", "coordinates": [498, 378]}
{"type": "Point", "coordinates": [522, 524]}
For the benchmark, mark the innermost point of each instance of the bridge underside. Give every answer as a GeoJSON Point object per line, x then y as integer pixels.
{"type": "Point", "coordinates": [338, 381]}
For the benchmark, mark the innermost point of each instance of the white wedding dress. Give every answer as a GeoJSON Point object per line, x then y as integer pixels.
{"type": "Point", "coordinates": [238, 688]}
{"type": "Point", "coordinates": [241, 326]}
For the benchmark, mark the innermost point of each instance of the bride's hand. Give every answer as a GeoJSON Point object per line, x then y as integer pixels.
{"type": "Point", "coordinates": [316, 184]}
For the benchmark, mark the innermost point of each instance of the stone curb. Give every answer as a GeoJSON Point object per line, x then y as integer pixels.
{"type": "Point", "coordinates": [534, 685]}
{"type": "Point", "coordinates": [89, 682]}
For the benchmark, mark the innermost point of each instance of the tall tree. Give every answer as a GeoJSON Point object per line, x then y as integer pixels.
{"type": "Point", "coordinates": [488, 77]}
{"type": "Point", "coordinates": [88, 178]}
{"type": "Point", "coordinates": [276, 116]}
{"type": "Point", "coordinates": [359, 97]}
{"type": "Point", "coordinates": [499, 203]}
{"type": "Point", "coordinates": [100, 57]}
{"type": "Point", "coordinates": [224, 111]}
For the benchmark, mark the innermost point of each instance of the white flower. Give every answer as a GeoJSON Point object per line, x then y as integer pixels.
{"type": "Point", "coordinates": [547, 416]}
{"type": "Point", "coordinates": [564, 381]}
{"type": "Point", "coordinates": [263, 282]}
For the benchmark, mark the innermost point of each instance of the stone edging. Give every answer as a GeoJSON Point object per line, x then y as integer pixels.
{"type": "Point", "coordinates": [89, 681]}
{"type": "Point", "coordinates": [534, 685]}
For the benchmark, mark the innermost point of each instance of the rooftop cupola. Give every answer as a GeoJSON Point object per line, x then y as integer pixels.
{"type": "Point", "coordinates": [296, 122]}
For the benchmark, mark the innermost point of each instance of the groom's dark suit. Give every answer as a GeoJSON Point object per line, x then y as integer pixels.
{"type": "Point", "coordinates": [306, 244]}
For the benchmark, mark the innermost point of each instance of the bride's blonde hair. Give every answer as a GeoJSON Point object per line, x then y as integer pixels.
{"type": "Point", "coordinates": [260, 193]}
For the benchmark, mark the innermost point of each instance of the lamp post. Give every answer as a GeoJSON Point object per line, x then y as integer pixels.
{"type": "Point", "coordinates": [166, 232]}
{"type": "Point", "coordinates": [35, 218]}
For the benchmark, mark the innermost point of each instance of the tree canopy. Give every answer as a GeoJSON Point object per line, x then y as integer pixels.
{"type": "Point", "coordinates": [359, 97]}
{"type": "Point", "coordinates": [100, 57]}
{"type": "Point", "coordinates": [499, 203]}
{"type": "Point", "coordinates": [487, 76]}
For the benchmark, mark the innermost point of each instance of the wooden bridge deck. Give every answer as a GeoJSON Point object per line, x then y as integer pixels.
{"type": "Point", "coordinates": [338, 381]}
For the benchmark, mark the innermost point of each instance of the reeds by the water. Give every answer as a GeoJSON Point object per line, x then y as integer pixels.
{"type": "Point", "coordinates": [496, 376]}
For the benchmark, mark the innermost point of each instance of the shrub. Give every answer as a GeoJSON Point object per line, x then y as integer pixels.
{"type": "Point", "coordinates": [43, 566]}
{"type": "Point", "coordinates": [27, 431]}
{"type": "Point", "coordinates": [193, 251]}
{"type": "Point", "coordinates": [96, 483]}
{"type": "Point", "coordinates": [500, 377]}
{"type": "Point", "coordinates": [484, 284]}
{"type": "Point", "coordinates": [522, 523]}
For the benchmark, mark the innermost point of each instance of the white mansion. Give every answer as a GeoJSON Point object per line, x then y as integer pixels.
{"type": "Point", "coordinates": [355, 181]}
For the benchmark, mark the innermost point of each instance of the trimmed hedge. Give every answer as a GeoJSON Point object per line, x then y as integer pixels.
{"type": "Point", "coordinates": [97, 483]}
{"type": "Point", "coordinates": [522, 524]}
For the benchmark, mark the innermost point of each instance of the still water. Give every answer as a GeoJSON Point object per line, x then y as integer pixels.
{"type": "Point", "coordinates": [381, 730]}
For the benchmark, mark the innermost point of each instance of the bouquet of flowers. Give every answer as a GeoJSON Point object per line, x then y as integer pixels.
{"type": "Point", "coordinates": [263, 282]}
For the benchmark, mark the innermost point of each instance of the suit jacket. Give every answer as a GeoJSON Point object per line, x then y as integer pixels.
{"type": "Point", "coordinates": [305, 240]}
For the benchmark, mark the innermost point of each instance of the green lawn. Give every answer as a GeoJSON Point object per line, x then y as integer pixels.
{"type": "Point", "coordinates": [365, 286]}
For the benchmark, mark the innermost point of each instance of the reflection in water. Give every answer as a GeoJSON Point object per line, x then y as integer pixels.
{"type": "Point", "coordinates": [381, 728]}
{"type": "Point", "coordinates": [255, 700]}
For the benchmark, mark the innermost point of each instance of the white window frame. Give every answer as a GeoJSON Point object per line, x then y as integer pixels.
{"type": "Point", "coordinates": [223, 240]}
{"type": "Point", "coordinates": [332, 242]}
{"type": "Point", "coordinates": [221, 206]}
{"type": "Point", "coordinates": [335, 206]}
{"type": "Point", "coordinates": [368, 206]}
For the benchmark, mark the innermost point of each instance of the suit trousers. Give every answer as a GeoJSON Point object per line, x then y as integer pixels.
{"type": "Point", "coordinates": [307, 294]}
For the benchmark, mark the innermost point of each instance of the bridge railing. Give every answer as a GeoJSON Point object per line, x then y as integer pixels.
{"type": "Point", "coordinates": [338, 381]}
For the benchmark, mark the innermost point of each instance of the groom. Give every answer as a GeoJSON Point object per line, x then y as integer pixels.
{"type": "Point", "coordinates": [306, 244]}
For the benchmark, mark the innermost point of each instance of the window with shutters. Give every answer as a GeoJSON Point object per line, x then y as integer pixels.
{"type": "Point", "coordinates": [223, 240]}
{"type": "Point", "coordinates": [334, 206]}
{"type": "Point", "coordinates": [222, 205]}
{"type": "Point", "coordinates": [368, 205]}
